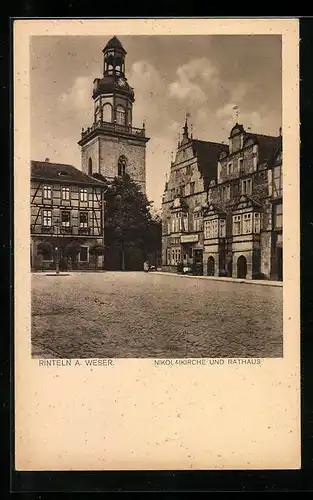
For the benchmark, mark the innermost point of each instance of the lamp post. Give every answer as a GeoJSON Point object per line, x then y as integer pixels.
{"type": "Point", "coordinates": [57, 257]}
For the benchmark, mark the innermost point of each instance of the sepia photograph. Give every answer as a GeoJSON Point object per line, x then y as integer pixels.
{"type": "Point", "coordinates": [156, 244]}
{"type": "Point", "coordinates": [156, 196]}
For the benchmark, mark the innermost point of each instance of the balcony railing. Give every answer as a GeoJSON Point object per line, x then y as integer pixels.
{"type": "Point", "coordinates": [114, 127]}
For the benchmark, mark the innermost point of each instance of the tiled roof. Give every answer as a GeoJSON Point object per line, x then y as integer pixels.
{"type": "Point", "coordinates": [60, 172]}
{"type": "Point", "coordinates": [268, 146]}
{"type": "Point", "coordinates": [207, 154]}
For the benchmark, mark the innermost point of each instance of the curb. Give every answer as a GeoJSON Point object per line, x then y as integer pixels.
{"type": "Point", "coordinates": [228, 280]}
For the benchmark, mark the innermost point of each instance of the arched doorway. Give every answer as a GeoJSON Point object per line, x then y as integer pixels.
{"type": "Point", "coordinates": [211, 266]}
{"type": "Point", "coordinates": [242, 267]}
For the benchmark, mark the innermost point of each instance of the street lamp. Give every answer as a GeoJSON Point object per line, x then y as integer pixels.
{"type": "Point", "coordinates": [57, 259]}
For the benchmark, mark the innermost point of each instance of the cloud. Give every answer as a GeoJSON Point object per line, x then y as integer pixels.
{"type": "Point", "coordinates": [195, 80]}
{"type": "Point", "coordinates": [79, 94]}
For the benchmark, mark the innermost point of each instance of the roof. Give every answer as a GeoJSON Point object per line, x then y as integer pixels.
{"type": "Point", "coordinates": [268, 146]}
{"type": "Point", "coordinates": [61, 172]}
{"type": "Point", "coordinates": [114, 43]}
{"type": "Point", "coordinates": [207, 154]}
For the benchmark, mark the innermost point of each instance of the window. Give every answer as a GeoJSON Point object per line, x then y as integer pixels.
{"type": "Point", "coordinates": [65, 193]}
{"type": "Point", "coordinates": [246, 187]}
{"type": "Point", "coordinates": [192, 188]}
{"type": "Point", "coordinates": [236, 143]}
{"type": "Point", "coordinates": [83, 193]}
{"type": "Point", "coordinates": [247, 223]}
{"type": "Point", "coordinates": [235, 189]}
{"type": "Point", "coordinates": [257, 225]}
{"type": "Point", "coordinates": [168, 225]}
{"type": "Point", "coordinates": [47, 218]}
{"type": "Point", "coordinates": [225, 193]}
{"type": "Point", "coordinates": [278, 216]}
{"type": "Point", "coordinates": [240, 165]}
{"type": "Point", "coordinates": [277, 181]}
{"type": "Point", "coordinates": [47, 192]}
{"type": "Point", "coordinates": [121, 169]}
{"type": "Point", "coordinates": [107, 113]}
{"type": "Point", "coordinates": [120, 115]}
{"type": "Point", "coordinates": [222, 228]}
{"type": "Point", "coordinates": [236, 224]}
{"type": "Point", "coordinates": [211, 229]}
{"type": "Point", "coordinates": [83, 219]}
{"type": "Point", "coordinates": [185, 222]}
{"type": "Point", "coordinates": [83, 254]}
{"type": "Point", "coordinates": [229, 168]}
{"type": "Point", "coordinates": [197, 219]}
{"type": "Point", "coordinates": [65, 218]}
{"type": "Point", "coordinates": [90, 166]}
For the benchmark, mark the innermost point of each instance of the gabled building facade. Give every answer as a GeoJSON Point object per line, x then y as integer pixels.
{"type": "Point", "coordinates": [66, 212]}
{"type": "Point", "coordinates": [238, 222]}
{"type": "Point", "coordinates": [184, 199]}
{"type": "Point", "coordinates": [112, 146]}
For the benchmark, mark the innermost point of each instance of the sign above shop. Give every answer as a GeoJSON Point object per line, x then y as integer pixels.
{"type": "Point", "coordinates": [189, 238]}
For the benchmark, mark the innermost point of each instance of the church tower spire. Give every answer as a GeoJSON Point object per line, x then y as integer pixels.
{"type": "Point", "coordinates": [111, 145]}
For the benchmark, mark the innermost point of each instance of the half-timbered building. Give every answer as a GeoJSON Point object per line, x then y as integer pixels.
{"type": "Point", "coordinates": [66, 216]}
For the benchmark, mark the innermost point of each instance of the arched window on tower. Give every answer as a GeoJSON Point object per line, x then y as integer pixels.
{"type": "Point", "coordinates": [122, 163]}
{"type": "Point", "coordinates": [90, 166]}
{"type": "Point", "coordinates": [107, 113]}
{"type": "Point", "coordinates": [120, 115]}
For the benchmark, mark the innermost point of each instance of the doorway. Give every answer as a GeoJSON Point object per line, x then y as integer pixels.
{"type": "Point", "coordinates": [211, 266]}
{"type": "Point", "coordinates": [242, 267]}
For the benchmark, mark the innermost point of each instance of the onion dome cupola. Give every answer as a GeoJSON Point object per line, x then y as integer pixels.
{"type": "Point", "coordinates": [114, 78]}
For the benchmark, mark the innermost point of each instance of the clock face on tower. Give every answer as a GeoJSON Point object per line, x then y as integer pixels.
{"type": "Point", "coordinates": [121, 82]}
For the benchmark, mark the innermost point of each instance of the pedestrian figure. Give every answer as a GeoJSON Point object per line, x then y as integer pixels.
{"type": "Point", "coordinates": [146, 266]}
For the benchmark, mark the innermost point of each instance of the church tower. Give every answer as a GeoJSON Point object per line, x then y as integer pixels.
{"type": "Point", "coordinates": [111, 146]}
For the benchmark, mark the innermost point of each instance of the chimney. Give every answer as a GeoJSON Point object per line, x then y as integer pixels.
{"type": "Point", "coordinates": [47, 160]}
{"type": "Point", "coordinates": [280, 131]}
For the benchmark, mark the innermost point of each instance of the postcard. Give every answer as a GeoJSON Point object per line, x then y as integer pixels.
{"type": "Point", "coordinates": [156, 240]}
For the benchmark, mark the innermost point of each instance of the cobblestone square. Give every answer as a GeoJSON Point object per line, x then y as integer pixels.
{"type": "Point", "coordinates": [140, 315]}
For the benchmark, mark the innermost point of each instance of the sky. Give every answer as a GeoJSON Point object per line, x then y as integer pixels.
{"type": "Point", "coordinates": [205, 76]}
